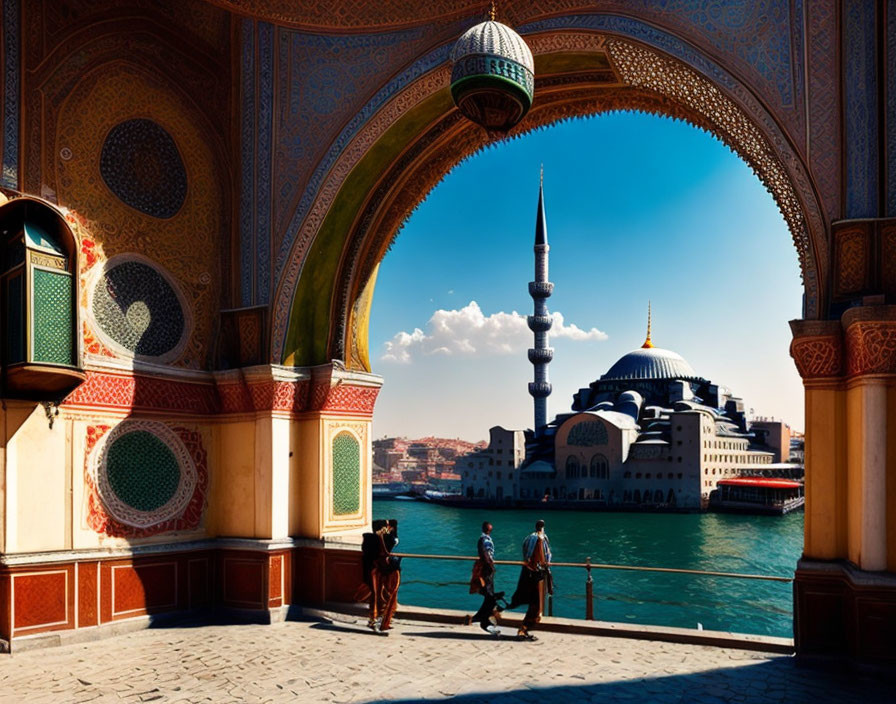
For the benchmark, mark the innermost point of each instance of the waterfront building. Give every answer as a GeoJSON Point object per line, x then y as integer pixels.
{"type": "Point", "coordinates": [492, 473]}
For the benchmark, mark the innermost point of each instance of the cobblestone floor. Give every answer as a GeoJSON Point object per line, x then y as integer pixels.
{"type": "Point", "coordinates": [343, 662]}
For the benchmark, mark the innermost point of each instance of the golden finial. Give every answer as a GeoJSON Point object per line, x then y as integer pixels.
{"type": "Point", "coordinates": [492, 11]}
{"type": "Point", "coordinates": [541, 177]}
{"type": "Point", "coordinates": [647, 343]}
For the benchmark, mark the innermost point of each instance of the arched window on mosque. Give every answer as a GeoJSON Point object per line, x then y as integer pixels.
{"type": "Point", "coordinates": [600, 468]}
{"type": "Point", "coordinates": [572, 467]}
{"type": "Point", "coordinates": [38, 299]}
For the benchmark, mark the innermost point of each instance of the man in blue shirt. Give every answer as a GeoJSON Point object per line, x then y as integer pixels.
{"type": "Point", "coordinates": [483, 582]}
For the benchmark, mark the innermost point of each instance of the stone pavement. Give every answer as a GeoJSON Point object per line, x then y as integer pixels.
{"type": "Point", "coordinates": [341, 661]}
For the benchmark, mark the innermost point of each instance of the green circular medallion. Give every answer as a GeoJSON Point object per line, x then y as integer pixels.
{"type": "Point", "coordinates": [142, 470]}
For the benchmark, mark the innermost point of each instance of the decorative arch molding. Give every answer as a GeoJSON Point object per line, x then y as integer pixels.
{"type": "Point", "coordinates": [649, 79]}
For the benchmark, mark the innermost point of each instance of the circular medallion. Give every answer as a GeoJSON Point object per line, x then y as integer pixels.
{"type": "Point", "coordinates": [144, 473]}
{"type": "Point", "coordinates": [141, 165]}
{"type": "Point", "coordinates": [138, 309]}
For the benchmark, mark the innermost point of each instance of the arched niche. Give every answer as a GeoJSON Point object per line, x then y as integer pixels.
{"type": "Point", "coordinates": [40, 352]}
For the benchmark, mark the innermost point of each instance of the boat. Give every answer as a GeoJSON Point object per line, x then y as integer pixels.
{"type": "Point", "coordinates": [759, 495]}
{"type": "Point", "coordinates": [391, 490]}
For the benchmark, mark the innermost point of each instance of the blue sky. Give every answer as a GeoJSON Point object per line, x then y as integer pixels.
{"type": "Point", "coordinates": [639, 208]}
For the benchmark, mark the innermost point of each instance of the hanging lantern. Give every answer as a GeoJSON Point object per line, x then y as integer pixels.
{"type": "Point", "coordinates": [493, 75]}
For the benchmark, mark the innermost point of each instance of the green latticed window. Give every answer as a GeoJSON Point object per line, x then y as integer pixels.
{"type": "Point", "coordinates": [52, 317]}
{"type": "Point", "coordinates": [346, 474]}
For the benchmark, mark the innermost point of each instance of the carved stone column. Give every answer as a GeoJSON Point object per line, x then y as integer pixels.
{"type": "Point", "coordinates": [844, 589]}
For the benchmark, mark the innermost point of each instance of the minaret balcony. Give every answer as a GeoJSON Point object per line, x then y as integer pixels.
{"type": "Point", "coordinates": [539, 323]}
{"type": "Point", "coordinates": [541, 355]}
{"type": "Point", "coordinates": [541, 289]}
{"type": "Point", "coordinates": [540, 389]}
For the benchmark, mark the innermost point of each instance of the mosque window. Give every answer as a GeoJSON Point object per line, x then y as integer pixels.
{"type": "Point", "coordinates": [679, 475]}
{"type": "Point", "coordinates": [38, 294]}
{"type": "Point", "coordinates": [627, 475]}
{"type": "Point", "coordinates": [600, 468]}
{"type": "Point", "coordinates": [679, 460]}
{"type": "Point", "coordinates": [647, 476]}
{"type": "Point", "coordinates": [346, 474]}
{"type": "Point", "coordinates": [588, 434]}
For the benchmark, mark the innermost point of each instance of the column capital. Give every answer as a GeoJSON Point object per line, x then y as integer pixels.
{"type": "Point", "coordinates": [870, 340]}
{"type": "Point", "coordinates": [817, 348]}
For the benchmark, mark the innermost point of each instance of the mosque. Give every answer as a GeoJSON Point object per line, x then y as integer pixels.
{"type": "Point", "coordinates": [649, 434]}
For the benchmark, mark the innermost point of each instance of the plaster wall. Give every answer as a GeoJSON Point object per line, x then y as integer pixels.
{"type": "Point", "coordinates": [38, 480]}
{"type": "Point", "coordinates": [232, 505]}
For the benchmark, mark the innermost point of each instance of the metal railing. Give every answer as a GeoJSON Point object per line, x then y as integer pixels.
{"type": "Point", "coordinates": [588, 565]}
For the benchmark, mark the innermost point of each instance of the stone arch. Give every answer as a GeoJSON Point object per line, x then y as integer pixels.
{"type": "Point", "coordinates": [579, 73]}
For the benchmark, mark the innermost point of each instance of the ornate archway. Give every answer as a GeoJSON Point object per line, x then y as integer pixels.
{"type": "Point", "coordinates": [407, 146]}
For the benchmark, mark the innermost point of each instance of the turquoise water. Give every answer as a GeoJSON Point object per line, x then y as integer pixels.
{"type": "Point", "coordinates": [718, 542]}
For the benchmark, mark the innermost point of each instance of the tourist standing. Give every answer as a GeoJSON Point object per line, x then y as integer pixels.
{"type": "Point", "coordinates": [382, 574]}
{"type": "Point", "coordinates": [535, 579]}
{"type": "Point", "coordinates": [483, 582]}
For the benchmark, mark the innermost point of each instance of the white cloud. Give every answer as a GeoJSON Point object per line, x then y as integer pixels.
{"type": "Point", "coordinates": [469, 332]}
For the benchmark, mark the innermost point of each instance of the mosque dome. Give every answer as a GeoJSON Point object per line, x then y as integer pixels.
{"type": "Point", "coordinates": [493, 77]}
{"type": "Point", "coordinates": [651, 363]}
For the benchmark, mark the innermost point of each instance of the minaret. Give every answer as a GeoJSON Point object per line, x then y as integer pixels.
{"type": "Point", "coordinates": [540, 355]}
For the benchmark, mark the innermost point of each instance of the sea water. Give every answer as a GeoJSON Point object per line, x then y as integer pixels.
{"type": "Point", "coordinates": [769, 545]}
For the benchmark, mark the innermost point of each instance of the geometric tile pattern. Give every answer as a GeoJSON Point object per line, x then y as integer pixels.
{"type": "Point", "coordinates": [144, 474]}
{"type": "Point", "coordinates": [346, 474]}
{"type": "Point", "coordinates": [159, 470]}
{"type": "Point", "coordinates": [137, 307]}
{"type": "Point", "coordinates": [9, 170]}
{"type": "Point", "coordinates": [142, 470]}
{"type": "Point", "coordinates": [185, 248]}
{"type": "Point", "coordinates": [141, 165]}
{"type": "Point", "coordinates": [53, 325]}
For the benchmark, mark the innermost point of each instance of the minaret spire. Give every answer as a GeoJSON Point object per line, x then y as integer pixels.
{"type": "Point", "coordinates": [540, 323]}
{"type": "Point", "coordinates": [648, 343]}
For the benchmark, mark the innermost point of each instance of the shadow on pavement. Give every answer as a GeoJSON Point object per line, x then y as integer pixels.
{"type": "Point", "coordinates": [355, 630]}
{"type": "Point", "coordinates": [455, 635]}
{"type": "Point", "coordinates": [778, 680]}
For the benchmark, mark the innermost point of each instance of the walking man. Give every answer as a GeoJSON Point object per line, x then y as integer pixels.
{"type": "Point", "coordinates": [535, 579]}
{"type": "Point", "coordinates": [483, 582]}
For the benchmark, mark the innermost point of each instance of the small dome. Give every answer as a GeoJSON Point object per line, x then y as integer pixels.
{"type": "Point", "coordinates": [493, 79]}
{"type": "Point", "coordinates": [494, 39]}
{"type": "Point", "coordinates": [651, 363]}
